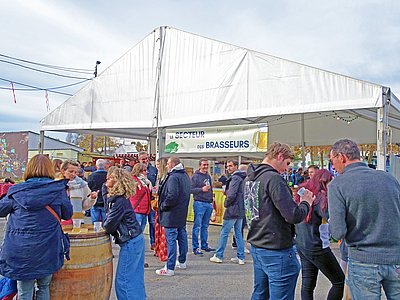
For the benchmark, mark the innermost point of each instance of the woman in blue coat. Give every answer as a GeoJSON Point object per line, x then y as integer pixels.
{"type": "Point", "coordinates": [32, 248]}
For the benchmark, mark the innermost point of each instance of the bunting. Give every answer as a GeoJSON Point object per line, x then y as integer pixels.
{"type": "Point", "coordinates": [13, 91]}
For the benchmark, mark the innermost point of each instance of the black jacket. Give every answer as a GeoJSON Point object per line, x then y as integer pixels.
{"type": "Point", "coordinates": [234, 203]}
{"type": "Point", "coordinates": [277, 210]}
{"type": "Point", "coordinates": [95, 181]}
{"type": "Point", "coordinates": [174, 195]}
{"type": "Point", "coordinates": [121, 220]}
{"type": "Point", "coordinates": [309, 237]}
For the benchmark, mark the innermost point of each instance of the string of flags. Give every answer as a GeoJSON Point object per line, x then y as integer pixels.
{"type": "Point", "coordinates": [46, 96]}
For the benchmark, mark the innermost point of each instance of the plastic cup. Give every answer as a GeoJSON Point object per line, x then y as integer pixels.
{"type": "Point", "coordinates": [76, 223]}
{"type": "Point", "coordinates": [97, 226]}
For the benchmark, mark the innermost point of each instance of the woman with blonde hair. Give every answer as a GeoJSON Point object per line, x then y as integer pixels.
{"type": "Point", "coordinates": [141, 200]}
{"type": "Point", "coordinates": [32, 248]}
{"type": "Point", "coordinates": [160, 247]}
{"type": "Point", "coordinates": [57, 166]}
{"type": "Point", "coordinates": [122, 224]}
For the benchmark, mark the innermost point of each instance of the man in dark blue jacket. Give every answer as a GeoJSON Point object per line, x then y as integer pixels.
{"type": "Point", "coordinates": [174, 195]}
{"type": "Point", "coordinates": [95, 182]}
{"type": "Point", "coordinates": [234, 213]}
{"type": "Point", "coordinates": [202, 191]}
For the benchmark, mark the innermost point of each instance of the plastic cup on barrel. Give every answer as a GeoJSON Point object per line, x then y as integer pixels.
{"type": "Point", "coordinates": [97, 226]}
{"type": "Point", "coordinates": [76, 223]}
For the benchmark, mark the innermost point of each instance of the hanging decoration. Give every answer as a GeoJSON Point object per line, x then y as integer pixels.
{"type": "Point", "coordinates": [46, 95]}
{"type": "Point", "coordinates": [13, 91]}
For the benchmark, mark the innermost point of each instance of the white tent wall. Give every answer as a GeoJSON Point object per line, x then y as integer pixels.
{"type": "Point", "coordinates": [176, 79]}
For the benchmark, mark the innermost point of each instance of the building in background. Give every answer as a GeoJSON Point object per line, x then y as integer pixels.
{"type": "Point", "coordinates": [16, 148]}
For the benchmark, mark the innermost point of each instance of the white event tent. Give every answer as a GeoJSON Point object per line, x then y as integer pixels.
{"type": "Point", "coordinates": [177, 79]}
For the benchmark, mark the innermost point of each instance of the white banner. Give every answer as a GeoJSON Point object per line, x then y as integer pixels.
{"type": "Point", "coordinates": [240, 138]}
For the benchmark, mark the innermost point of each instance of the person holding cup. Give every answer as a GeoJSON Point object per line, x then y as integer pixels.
{"type": "Point", "coordinates": [82, 198]}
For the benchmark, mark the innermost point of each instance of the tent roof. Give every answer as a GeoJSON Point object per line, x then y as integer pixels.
{"type": "Point", "coordinates": [174, 78]}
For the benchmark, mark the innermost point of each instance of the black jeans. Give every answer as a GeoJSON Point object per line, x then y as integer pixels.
{"type": "Point", "coordinates": [327, 263]}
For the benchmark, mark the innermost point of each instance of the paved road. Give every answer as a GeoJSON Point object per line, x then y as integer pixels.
{"type": "Point", "coordinates": [203, 279]}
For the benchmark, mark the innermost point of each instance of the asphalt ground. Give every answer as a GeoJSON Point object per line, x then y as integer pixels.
{"type": "Point", "coordinates": [206, 280]}
{"type": "Point", "coordinates": [203, 279]}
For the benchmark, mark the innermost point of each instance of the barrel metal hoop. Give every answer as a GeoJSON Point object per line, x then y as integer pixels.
{"type": "Point", "coordinates": [89, 242]}
{"type": "Point", "coordinates": [87, 266]}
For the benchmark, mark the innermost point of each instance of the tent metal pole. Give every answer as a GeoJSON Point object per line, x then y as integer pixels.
{"type": "Point", "coordinates": [239, 160]}
{"type": "Point", "coordinates": [160, 133]}
{"type": "Point", "coordinates": [303, 146]}
{"type": "Point", "coordinates": [41, 142]}
{"type": "Point", "coordinates": [382, 123]}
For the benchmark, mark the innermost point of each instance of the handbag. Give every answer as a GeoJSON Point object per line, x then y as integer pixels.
{"type": "Point", "coordinates": [65, 237]}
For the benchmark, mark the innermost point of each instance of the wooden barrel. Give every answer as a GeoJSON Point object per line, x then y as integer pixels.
{"type": "Point", "coordinates": [89, 273]}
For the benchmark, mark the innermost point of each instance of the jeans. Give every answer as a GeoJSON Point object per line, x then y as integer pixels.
{"type": "Point", "coordinates": [366, 280]}
{"type": "Point", "coordinates": [151, 218]}
{"type": "Point", "coordinates": [142, 220]}
{"type": "Point", "coordinates": [171, 235]}
{"type": "Point", "coordinates": [98, 214]}
{"type": "Point", "coordinates": [129, 278]}
{"type": "Point", "coordinates": [327, 263]}
{"type": "Point", "coordinates": [275, 273]}
{"type": "Point", "coordinates": [26, 288]}
{"type": "Point", "coordinates": [226, 228]}
{"type": "Point", "coordinates": [243, 226]}
{"type": "Point", "coordinates": [202, 215]}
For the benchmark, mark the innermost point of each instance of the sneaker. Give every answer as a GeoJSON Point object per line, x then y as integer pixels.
{"type": "Point", "coordinates": [181, 266]}
{"type": "Point", "coordinates": [237, 260]}
{"type": "Point", "coordinates": [146, 265]}
{"type": "Point", "coordinates": [165, 272]}
{"type": "Point", "coordinates": [215, 259]}
{"type": "Point", "coordinates": [234, 247]}
{"type": "Point", "coordinates": [197, 251]}
{"type": "Point", "coordinates": [208, 249]}
{"type": "Point", "coordinates": [247, 251]}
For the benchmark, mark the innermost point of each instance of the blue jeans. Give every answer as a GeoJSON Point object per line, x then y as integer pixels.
{"type": "Point", "coordinates": [26, 288]}
{"type": "Point", "coordinates": [98, 214]}
{"type": "Point", "coordinates": [129, 279]}
{"type": "Point", "coordinates": [275, 273]}
{"type": "Point", "coordinates": [202, 215]}
{"type": "Point", "coordinates": [366, 280]}
{"type": "Point", "coordinates": [142, 220]}
{"type": "Point", "coordinates": [226, 228]}
{"type": "Point", "coordinates": [171, 235]}
{"type": "Point", "coordinates": [151, 218]}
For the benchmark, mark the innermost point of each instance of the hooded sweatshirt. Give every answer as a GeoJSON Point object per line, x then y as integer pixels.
{"type": "Point", "coordinates": [32, 246]}
{"type": "Point", "coordinates": [278, 212]}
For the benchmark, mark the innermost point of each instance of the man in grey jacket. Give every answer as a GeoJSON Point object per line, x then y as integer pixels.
{"type": "Point", "coordinates": [364, 209]}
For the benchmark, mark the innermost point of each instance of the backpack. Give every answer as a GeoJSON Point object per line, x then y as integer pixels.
{"type": "Point", "coordinates": [252, 198]}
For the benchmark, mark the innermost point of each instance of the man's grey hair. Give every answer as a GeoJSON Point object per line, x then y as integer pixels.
{"type": "Point", "coordinates": [142, 153]}
{"type": "Point", "coordinates": [243, 168]}
{"type": "Point", "coordinates": [100, 163]}
{"type": "Point", "coordinates": [175, 160]}
{"type": "Point", "coordinates": [346, 147]}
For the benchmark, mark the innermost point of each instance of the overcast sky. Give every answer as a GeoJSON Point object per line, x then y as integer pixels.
{"type": "Point", "coordinates": [358, 38]}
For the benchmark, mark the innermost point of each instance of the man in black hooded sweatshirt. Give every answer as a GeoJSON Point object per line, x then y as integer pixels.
{"type": "Point", "coordinates": [273, 213]}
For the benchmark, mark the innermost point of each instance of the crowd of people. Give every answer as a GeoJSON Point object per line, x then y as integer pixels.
{"type": "Point", "coordinates": [359, 206]}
